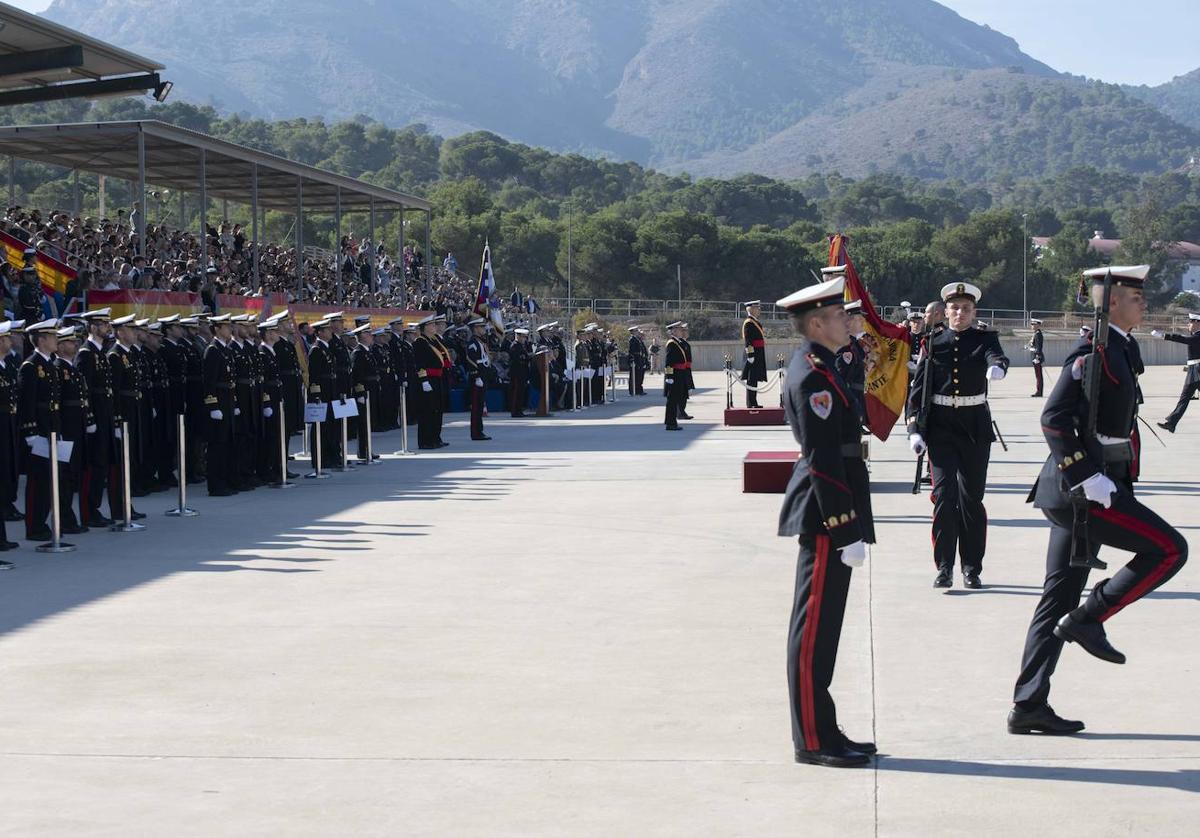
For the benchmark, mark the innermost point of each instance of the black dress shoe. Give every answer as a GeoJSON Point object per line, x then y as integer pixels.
{"type": "Point", "coordinates": [136, 516]}
{"type": "Point", "coordinates": [483, 438]}
{"type": "Point", "coordinates": [39, 535]}
{"type": "Point", "coordinates": [971, 580]}
{"type": "Point", "coordinates": [1166, 426]}
{"type": "Point", "coordinates": [1041, 720]}
{"type": "Point", "coordinates": [686, 416]}
{"type": "Point", "coordinates": [428, 447]}
{"type": "Point", "coordinates": [944, 579]}
{"type": "Point", "coordinates": [221, 493]}
{"type": "Point", "coordinates": [5, 546]}
{"type": "Point", "coordinates": [99, 521]}
{"type": "Point", "coordinates": [13, 515]}
{"type": "Point", "coordinates": [836, 756]}
{"type": "Point", "coordinates": [674, 428]}
{"type": "Point", "coordinates": [7, 565]}
{"type": "Point", "coordinates": [443, 445]}
{"type": "Point", "coordinates": [1090, 635]}
{"type": "Point", "coordinates": [72, 529]}
{"type": "Point", "coordinates": [861, 747]}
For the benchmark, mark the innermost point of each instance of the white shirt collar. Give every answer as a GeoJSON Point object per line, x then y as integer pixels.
{"type": "Point", "coordinates": [1119, 330]}
{"type": "Point", "coordinates": [43, 354]}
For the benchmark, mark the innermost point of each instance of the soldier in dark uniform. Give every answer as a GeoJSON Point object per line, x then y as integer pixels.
{"type": "Point", "coordinates": [101, 449]}
{"type": "Point", "coordinates": [339, 351]}
{"type": "Point", "coordinates": [389, 394]}
{"type": "Point", "coordinates": [428, 359]}
{"type": "Point", "coordinates": [78, 424]}
{"type": "Point", "coordinates": [290, 374]}
{"type": "Point", "coordinates": [220, 382]}
{"type": "Point", "coordinates": [173, 352]}
{"type": "Point", "coordinates": [142, 455]}
{"type": "Point", "coordinates": [479, 373]}
{"type": "Point", "coordinates": [8, 435]}
{"type": "Point", "coordinates": [638, 359]}
{"type": "Point", "coordinates": [581, 363]}
{"type": "Point", "coordinates": [1103, 468]}
{"type": "Point", "coordinates": [245, 423]}
{"type": "Point", "coordinates": [957, 432]}
{"type": "Point", "coordinates": [30, 298]}
{"type": "Point", "coordinates": [163, 430]}
{"type": "Point", "coordinates": [754, 339]}
{"type": "Point", "coordinates": [128, 394]}
{"type": "Point", "coordinates": [1037, 357]}
{"type": "Point", "coordinates": [322, 389]}
{"type": "Point", "coordinates": [1191, 382]}
{"type": "Point", "coordinates": [408, 369]}
{"type": "Point", "coordinates": [852, 359]}
{"type": "Point", "coordinates": [269, 450]}
{"type": "Point", "coordinates": [674, 382]}
{"type": "Point", "coordinates": [442, 384]}
{"type": "Point", "coordinates": [38, 413]}
{"type": "Point", "coordinates": [828, 505]}
{"type": "Point", "coordinates": [365, 376]}
{"type": "Point", "coordinates": [196, 423]}
{"type": "Point", "coordinates": [518, 372]}
{"type": "Point", "coordinates": [690, 384]}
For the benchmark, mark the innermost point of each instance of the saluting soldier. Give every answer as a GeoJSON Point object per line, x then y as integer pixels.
{"type": "Point", "coordinates": [428, 359]}
{"type": "Point", "coordinates": [828, 506]}
{"type": "Point", "coordinates": [128, 392]}
{"type": "Point", "coordinates": [957, 432]}
{"type": "Point", "coordinates": [38, 411]}
{"type": "Point", "coordinates": [1191, 381]}
{"type": "Point", "coordinates": [366, 387]}
{"type": "Point", "coordinates": [674, 380]}
{"type": "Point", "coordinates": [8, 436]}
{"type": "Point", "coordinates": [1102, 467]}
{"type": "Point", "coordinates": [754, 371]}
{"type": "Point", "coordinates": [1037, 356]}
{"type": "Point", "coordinates": [479, 373]}
{"type": "Point", "coordinates": [78, 425]}
{"type": "Point", "coordinates": [220, 383]}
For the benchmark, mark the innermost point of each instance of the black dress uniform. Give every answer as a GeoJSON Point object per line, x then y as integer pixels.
{"type": "Point", "coordinates": [690, 383]}
{"type": "Point", "coordinates": [479, 372]}
{"type": "Point", "coordinates": [101, 448]}
{"type": "Point", "coordinates": [127, 389]}
{"type": "Point", "coordinates": [196, 423]}
{"type": "Point", "coordinates": [1038, 359]}
{"type": "Point", "coordinates": [518, 376]}
{"type": "Point", "coordinates": [365, 376]}
{"type": "Point", "coordinates": [143, 454]}
{"type": "Point", "coordinates": [959, 434]}
{"type": "Point", "coordinates": [245, 420]}
{"type": "Point", "coordinates": [596, 351]}
{"type": "Point", "coordinates": [322, 389]}
{"type": "Point", "coordinates": [429, 403]}
{"type": "Point", "coordinates": [1191, 383]}
{"type": "Point", "coordinates": [638, 361]}
{"type": "Point", "coordinates": [220, 381]}
{"type": "Point", "coordinates": [675, 365]}
{"type": "Point", "coordinates": [174, 358]}
{"type": "Point", "coordinates": [828, 505]}
{"type": "Point", "coordinates": [389, 395]}
{"type": "Point", "coordinates": [10, 439]}
{"type": "Point", "coordinates": [272, 401]}
{"type": "Point", "coordinates": [38, 406]}
{"type": "Point", "coordinates": [165, 426]}
{"type": "Point", "coordinates": [75, 418]}
{"type": "Point", "coordinates": [852, 367]}
{"type": "Point", "coordinates": [293, 384]}
{"type": "Point", "coordinates": [754, 371]}
{"type": "Point", "coordinates": [1159, 549]}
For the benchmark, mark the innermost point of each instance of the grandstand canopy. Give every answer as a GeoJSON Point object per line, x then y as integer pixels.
{"type": "Point", "coordinates": [195, 162]}
{"type": "Point", "coordinates": [41, 61]}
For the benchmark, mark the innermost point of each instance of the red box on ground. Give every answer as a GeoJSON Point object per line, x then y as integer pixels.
{"type": "Point", "coordinates": [768, 472]}
{"type": "Point", "coordinates": [755, 416]}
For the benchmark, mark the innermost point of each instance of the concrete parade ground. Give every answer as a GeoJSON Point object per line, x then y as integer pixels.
{"type": "Point", "coordinates": [578, 628]}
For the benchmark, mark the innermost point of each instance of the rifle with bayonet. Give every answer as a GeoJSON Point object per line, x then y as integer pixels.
{"type": "Point", "coordinates": [1083, 554]}
{"type": "Point", "coordinates": [926, 398]}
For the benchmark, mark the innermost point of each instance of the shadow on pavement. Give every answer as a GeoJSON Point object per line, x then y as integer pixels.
{"type": "Point", "coordinates": [1185, 780]}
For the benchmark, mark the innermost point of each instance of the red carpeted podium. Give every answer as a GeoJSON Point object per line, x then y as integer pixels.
{"type": "Point", "coordinates": [755, 416]}
{"type": "Point", "coordinates": [768, 472]}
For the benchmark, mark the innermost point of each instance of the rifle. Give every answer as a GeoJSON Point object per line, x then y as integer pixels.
{"type": "Point", "coordinates": [1082, 554]}
{"type": "Point", "coordinates": [923, 409]}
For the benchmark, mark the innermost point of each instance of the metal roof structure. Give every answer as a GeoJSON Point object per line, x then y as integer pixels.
{"type": "Point", "coordinates": [42, 61]}
{"type": "Point", "coordinates": [167, 155]}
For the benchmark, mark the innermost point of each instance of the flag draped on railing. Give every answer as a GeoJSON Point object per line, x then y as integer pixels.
{"type": "Point", "coordinates": [53, 274]}
{"type": "Point", "coordinates": [887, 348]}
{"type": "Point", "coordinates": [486, 291]}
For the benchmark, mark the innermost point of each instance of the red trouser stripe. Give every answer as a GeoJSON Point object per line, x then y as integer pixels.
{"type": "Point", "coordinates": [1160, 539]}
{"type": "Point", "coordinates": [808, 642]}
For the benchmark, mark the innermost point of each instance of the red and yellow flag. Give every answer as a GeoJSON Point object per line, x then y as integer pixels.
{"type": "Point", "coordinates": [53, 273]}
{"type": "Point", "coordinates": [887, 349]}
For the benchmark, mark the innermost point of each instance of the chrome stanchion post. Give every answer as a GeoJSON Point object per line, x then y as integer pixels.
{"type": "Point", "coordinates": [782, 372]}
{"type": "Point", "coordinates": [316, 473]}
{"type": "Point", "coordinates": [128, 524]}
{"type": "Point", "coordinates": [612, 380]}
{"type": "Point", "coordinates": [304, 442]}
{"type": "Point", "coordinates": [283, 450]}
{"type": "Point", "coordinates": [404, 452]}
{"type": "Point", "coordinates": [370, 454]}
{"type": "Point", "coordinates": [56, 544]}
{"type": "Point", "coordinates": [182, 510]}
{"type": "Point", "coordinates": [728, 382]}
{"type": "Point", "coordinates": [345, 443]}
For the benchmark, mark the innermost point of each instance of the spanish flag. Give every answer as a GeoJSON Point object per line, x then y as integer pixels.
{"type": "Point", "coordinates": [53, 273]}
{"type": "Point", "coordinates": [887, 349]}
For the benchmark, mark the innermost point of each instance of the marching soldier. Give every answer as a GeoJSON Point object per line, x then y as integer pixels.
{"type": "Point", "coordinates": [1191, 382]}
{"type": "Point", "coordinates": [518, 372]}
{"type": "Point", "coordinates": [220, 383]}
{"type": "Point", "coordinates": [674, 366]}
{"type": "Point", "coordinates": [754, 371]}
{"type": "Point", "coordinates": [366, 387]}
{"type": "Point", "coordinates": [828, 505]}
{"type": "Point", "coordinates": [1038, 358]}
{"type": "Point", "coordinates": [957, 431]}
{"type": "Point", "coordinates": [8, 431]}
{"type": "Point", "coordinates": [851, 360]}
{"type": "Point", "coordinates": [38, 411]}
{"type": "Point", "coordinates": [428, 360]}
{"type": "Point", "coordinates": [78, 424]}
{"type": "Point", "coordinates": [1103, 467]}
{"type": "Point", "coordinates": [479, 371]}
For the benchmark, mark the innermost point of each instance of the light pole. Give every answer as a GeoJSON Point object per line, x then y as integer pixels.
{"type": "Point", "coordinates": [679, 282]}
{"type": "Point", "coordinates": [1024, 265]}
{"type": "Point", "coordinates": [570, 222]}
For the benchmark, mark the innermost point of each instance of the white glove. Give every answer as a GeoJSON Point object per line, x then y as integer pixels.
{"type": "Point", "coordinates": [479, 382]}
{"type": "Point", "coordinates": [854, 555]}
{"type": "Point", "coordinates": [426, 386]}
{"type": "Point", "coordinates": [237, 411]}
{"type": "Point", "coordinates": [361, 400]}
{"type": "Point", "coordinates": [212, 414]}
{"type": "Point", "coordinates": [996, 373]}
{"type": "Point", "coordinates": [117, 433]}
{"type": "Point", "coordinates": [91, 429]}
{"type": "Point", "coordinates": [1155, 333]}
{"type": "Point", "coordinates": [268, 412]}
{"type": "Point", "coordinates": [29, 440]}
{"type": "Point", "coordinates": [153, 413]}
{"type": "Point", "coordinates": [670, 381]}
{"type": "Point", "coordinates": [917, 443]}
{"type": "Point", "coordinates": [912, 366]}
{"type": "Point", "coordinates": [1099, 489]}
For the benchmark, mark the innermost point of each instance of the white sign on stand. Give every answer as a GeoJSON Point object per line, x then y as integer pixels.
{"type": "Point", "coordinates": [316, 412]}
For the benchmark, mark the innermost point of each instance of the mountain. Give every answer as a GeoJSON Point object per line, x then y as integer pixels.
{"type": "Point", "coordinates": [1179, 98]}
{"type": "Point", "coordinates": [710, 85]}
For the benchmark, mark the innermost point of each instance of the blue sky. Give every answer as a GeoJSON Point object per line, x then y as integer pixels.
{"type": "Point", "coordinates": [1143, 42]}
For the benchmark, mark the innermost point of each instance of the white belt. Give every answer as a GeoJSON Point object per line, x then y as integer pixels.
{"type": "Point", "coordinates": [960, 401]}
{"type": "Point", "coordinates": [1193, 362]}
{"type": "Point", "coordinates": [1112, 440]}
